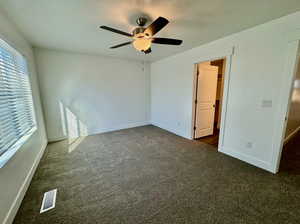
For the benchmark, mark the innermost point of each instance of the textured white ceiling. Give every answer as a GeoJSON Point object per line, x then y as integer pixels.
{"type": "Point", "coordinates": [73, 24]}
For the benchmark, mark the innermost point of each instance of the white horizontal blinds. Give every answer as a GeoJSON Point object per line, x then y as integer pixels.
{"type": "Point", "coordinates": [16, 105]}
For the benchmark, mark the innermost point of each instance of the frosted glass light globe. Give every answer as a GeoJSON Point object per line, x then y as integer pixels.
{"type": "Point", "coordinates": [142, 44]}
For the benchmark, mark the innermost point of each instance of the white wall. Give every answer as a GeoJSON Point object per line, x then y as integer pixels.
{"type": "Point", "coordinates": [94, 93]}
{"type": "Point", "coordinates": [256, 75]}
{"type": "Point", "coordinates": [293, 123]}
{"type": "Point", "coordinates": [16, 174]}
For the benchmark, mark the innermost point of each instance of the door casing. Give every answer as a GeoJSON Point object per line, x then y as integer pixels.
{"type": "Point", "coordinates": [226, 54]}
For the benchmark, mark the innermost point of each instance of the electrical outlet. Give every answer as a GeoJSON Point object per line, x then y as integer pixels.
{"type": "Point", "coordinates": [249, 145]}
{"type": "Point", "coordinates": [178, 123]}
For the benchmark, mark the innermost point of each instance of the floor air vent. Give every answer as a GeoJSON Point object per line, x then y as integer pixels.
{"type": "Point", "coordinates": [48, 200]}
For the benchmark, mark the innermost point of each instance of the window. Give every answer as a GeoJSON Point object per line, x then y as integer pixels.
{"type": "Point", "coordinates": [17, 119]}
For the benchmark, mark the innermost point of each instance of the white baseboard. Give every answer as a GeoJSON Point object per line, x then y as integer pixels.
{"type": "Point", "coordinates": [290, 136]}
{"type": "Point", "coordinates": [50, 140]}
{"type": "Point", "coordinates": [167, 128]}
{"type": "Point", "coordinates": [119, 127]}
{"type": "Point", "coordinates": [106, 129]}
{"type": "Point", "coordinates": [247, 158]}
{"type": "Point", "coordinates": [21, 193]}
{"type": "Point", "coordinates": [228, 151]}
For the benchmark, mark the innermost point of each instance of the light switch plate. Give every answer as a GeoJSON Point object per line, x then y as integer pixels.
{"type": "Point", "coordinates": [267, 103]}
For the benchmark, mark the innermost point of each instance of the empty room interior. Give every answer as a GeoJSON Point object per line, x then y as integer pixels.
{"type": "Point", "coordinates": [149, 111]}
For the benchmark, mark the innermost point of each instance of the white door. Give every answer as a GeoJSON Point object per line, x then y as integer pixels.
{"type": "Point", "coordinates": [205, 99]}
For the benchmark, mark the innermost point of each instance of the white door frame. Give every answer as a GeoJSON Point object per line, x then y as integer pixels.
{"type": "Point", "coordinates": [293, 42]}
{"type": "Point", "coordinates": [227, 54]}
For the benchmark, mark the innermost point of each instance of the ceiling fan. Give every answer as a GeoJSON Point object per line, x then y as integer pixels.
{"type": "Point", "coordinates": [142, 37]}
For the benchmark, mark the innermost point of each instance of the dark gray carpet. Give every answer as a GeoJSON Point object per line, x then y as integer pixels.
{"type": "Point", "coordinates": [147, 175]}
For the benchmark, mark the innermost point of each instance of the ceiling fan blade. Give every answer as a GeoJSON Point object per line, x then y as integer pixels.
{"type": "Point", "coordinates": [168, 41]}
{"type": "Point", "coordinates": [156, 26]}
{"type": "Point", "coordinates": [121, 45]}
{"type": "Point", "coordinates": [116, 31]}
{"type": "Point", "coordinates": [148, 51]}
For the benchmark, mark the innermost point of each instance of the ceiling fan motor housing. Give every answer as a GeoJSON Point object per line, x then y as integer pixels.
{"type": "Point", "coordinates": [138, 32]}
{"type": "Point", "coordinates": [141, 21]}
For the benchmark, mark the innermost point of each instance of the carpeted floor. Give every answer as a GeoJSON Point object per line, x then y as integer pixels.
{"type": "Point", "coordinates": [148, 175]}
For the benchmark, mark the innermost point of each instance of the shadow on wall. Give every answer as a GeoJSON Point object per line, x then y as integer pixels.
{"type": "Point", "coordinates": [73, 128]}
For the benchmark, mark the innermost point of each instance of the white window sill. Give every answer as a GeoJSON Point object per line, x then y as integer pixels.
{"type": "Point", "coordinates": [5, 157]}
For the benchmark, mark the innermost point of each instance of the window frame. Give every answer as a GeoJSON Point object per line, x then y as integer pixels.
{"type": "Point", "coordinates": [8, 154]}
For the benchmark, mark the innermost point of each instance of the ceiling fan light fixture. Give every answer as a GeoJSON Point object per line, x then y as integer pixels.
{"type": "Point", "coordinates": [142, 37]}
{"type": "Point", "coordinates": [142, 44]}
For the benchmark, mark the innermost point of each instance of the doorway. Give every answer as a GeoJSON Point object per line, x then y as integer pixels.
{"type": "Point", "coordinates": [290, 159]}
{"type": "Point", "coordinates": [208, 100]}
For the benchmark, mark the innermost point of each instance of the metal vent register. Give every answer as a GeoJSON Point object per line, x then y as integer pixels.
{"type": "Point", "coordinates": [49, 200]}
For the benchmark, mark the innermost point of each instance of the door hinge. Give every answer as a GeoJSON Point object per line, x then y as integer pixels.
{"type": "Point", "coordinates": [196, 101]}
{"type": "Point", "coordinates": [194, 128]}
